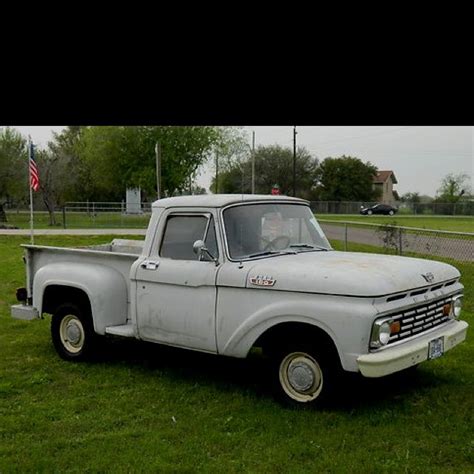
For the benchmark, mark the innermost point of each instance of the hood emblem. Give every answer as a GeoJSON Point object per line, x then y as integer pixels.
{"type": "Point", "coordinates": [262, 280]}
{"type": "Point", "coordinates": [429, 277]}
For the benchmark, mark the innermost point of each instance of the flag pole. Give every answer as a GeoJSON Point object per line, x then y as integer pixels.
{"type": "Point", "coordinates": [31, 192]}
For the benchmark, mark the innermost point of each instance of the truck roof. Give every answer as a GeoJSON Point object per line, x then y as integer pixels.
{"type": "Point", "coordinates": [220, 200]}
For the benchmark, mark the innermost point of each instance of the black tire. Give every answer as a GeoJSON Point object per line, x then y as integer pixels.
{"type": "Point", "coordinates": [304, 376]}
{"type": "Point", "coordinates": [369, 212]}
{"type": "Point", "coordinates": [73, 332]}
{"type": "Point", "coordinates": [391, 213]}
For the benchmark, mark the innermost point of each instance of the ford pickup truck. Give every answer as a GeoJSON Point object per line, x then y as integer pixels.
{"type": "Point", "coordinates": [226, 273]}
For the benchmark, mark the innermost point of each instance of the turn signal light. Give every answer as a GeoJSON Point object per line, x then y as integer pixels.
{"type": "Point", "coordinates": [395, 327]}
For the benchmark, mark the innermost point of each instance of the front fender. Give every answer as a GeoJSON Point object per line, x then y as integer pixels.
{"type": "Point", "coordinates": [105, 287]}
{"type": "Point", "coordinates": [244, 315]}
{"type": "Point", "coordinates": [244, 338]}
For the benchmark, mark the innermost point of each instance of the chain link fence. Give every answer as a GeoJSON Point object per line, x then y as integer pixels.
{"type": "Point", "coordinates": [462, 208]}
{"type": "Point", "coordinates": [105, 215]}
{"type": "Point", "coordinates": [449, 246]}
{"type": "Point", "coordinates": [84, 215]}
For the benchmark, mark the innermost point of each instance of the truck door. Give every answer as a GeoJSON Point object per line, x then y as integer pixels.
{"type": "Point", "coordinates": [176, 292]}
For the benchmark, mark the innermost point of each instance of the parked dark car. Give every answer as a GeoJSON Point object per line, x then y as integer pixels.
{"type": "Point", "coordinates": [385, 209]}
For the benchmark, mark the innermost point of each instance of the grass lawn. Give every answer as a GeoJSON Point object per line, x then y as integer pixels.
{"type": "Point", "coordinates": [117, 220]}
{"type": "Point", "coordinates": [460, 224]}
{"type": "Point", "coordinates": [148, 408]}
{"type": "Point", "coordinates": [79, 220]}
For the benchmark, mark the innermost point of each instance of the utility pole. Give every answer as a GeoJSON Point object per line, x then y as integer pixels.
{"type": "Point", "coordinates": [158, 169]}
{"type": "Point", "coordinates": [294, 161]}
{"type": "Point", "coordinates": [217, 173]}
{"type": "Point", "coordinates": [253, 161]}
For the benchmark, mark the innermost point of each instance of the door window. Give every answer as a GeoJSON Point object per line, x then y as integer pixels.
{"type": "Point", "coordinates": [182, 231]}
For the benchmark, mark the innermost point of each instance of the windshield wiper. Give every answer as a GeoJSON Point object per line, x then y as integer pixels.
{"type": "Point", "coordinates": [308, 246]}
{"type": "Point", "coordinates": [271, 252]}
{"type": "Point", "coordinates": [261, 254]}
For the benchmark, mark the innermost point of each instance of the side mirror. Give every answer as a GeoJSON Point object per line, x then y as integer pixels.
{"type": "Point", "coordinates": [200, 249]}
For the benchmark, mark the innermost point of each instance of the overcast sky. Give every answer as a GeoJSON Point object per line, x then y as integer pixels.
{"type": "Point", "coordinates": [419, 156]}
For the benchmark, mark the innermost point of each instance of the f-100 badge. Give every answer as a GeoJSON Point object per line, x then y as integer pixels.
{"type": "Point", "coordinates": [262, 280]}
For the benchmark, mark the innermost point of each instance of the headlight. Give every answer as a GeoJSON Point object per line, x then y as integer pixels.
{"type": "Point", "coordinates": [456, 306]}
{"type": "Point", "coordinates": [381, 331]}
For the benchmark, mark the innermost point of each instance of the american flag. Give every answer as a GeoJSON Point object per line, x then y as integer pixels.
{"type": "Point", "coordinates": [34, 176]}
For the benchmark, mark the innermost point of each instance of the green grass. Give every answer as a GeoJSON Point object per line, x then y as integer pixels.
{"type": "Point", "coordinates": [117, 220]}
{"type": "Point", "coordinates": [149, 408]}
{"type": "Point", "coordinates": [460, 224]}
{"type": "Point", "coordinates": [79, 220]}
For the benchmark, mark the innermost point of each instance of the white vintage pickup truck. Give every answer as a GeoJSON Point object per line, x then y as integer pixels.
{"type": "Point", "coordinates": [226, 273]}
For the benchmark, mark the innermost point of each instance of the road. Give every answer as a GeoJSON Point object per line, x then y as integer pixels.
{"type": "Point", "coordinates": [437, 245]}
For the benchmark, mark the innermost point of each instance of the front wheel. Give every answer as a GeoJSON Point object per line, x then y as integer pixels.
{"type": "Point", "coordinates": [302, 377]}
{"type": "Point", "coordinates": [390, 212]}
{"type": "Point", "coordinates": [73, 333]}
{"type": "Point", "coordinates": [369, 213]}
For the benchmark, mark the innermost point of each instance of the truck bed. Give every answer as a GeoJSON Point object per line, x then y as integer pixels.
{"type": "Point", "coordinates": [118, 254]}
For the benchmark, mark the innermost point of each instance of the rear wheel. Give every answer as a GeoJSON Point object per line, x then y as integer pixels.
{"type": "Point", "coordinates": [391, 212]}
{"type": "Point", "coordinates": [73, 332]}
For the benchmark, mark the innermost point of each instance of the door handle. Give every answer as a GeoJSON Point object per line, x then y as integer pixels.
{"type": "Point", "coordinates": [150, 265]}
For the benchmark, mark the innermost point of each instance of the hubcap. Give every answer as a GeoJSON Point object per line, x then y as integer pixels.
{"type": "Point", "coordinates": [71, 333]}
{"type": "Point", "coordinates": [301, 377]}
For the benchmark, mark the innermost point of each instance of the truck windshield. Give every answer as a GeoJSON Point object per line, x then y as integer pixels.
{"type": "Point", "coordinates": [270, 229]}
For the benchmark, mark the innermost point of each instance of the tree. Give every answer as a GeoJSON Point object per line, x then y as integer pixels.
{"type": "Point", "coordinates": [414, 199]}
{"type": "Point", "coordinates": [453, 187]}
{"type": "Point", "coordinates": [56, 179]}
{"type": "Point", "coordinates": [66, 147]}
{"type": "Point", "coordinates": [13, 168]}
{"type": "Point", "coordinates": [122, 157]}
{"type": "Point", "coordinates": [346, 179]}
{"type": "Point", "coordinates": [273, 165]}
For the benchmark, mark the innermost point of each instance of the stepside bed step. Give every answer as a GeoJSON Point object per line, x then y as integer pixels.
{"type": "Point", "coordinates": [125, 330]}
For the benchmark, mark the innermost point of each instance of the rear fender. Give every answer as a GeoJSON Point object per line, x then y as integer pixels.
{"type": "Point", "coordinates": [105, 287]}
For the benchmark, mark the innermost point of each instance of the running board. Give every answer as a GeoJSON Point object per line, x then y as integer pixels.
{"type": "Point", "coordinates": [125, 330]}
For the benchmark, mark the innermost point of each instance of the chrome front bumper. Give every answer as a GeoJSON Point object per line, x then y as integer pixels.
{"type": "Point", "coordinates": [393, 359]}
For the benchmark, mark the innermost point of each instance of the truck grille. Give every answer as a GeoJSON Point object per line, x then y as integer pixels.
{"type": "Point", "coordinates": [419, 319]}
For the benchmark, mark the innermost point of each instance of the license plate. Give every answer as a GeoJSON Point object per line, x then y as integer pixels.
{"type": "Point", "coordinates": [436, 348]}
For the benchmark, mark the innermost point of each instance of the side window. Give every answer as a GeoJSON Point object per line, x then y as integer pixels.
{"type": "Point", "coordinates": [180, 234]}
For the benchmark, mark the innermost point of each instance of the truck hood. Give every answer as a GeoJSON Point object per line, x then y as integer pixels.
{"type": "Point", "coordinates": [346, 273]}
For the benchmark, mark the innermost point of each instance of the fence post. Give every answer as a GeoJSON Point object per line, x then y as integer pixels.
{"type": "Point", "coordinates": [64, 217]}
{"type": "Point", "coordinates": [345, 237]}
{"type": "Point", "coordinates": [400, 250]}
